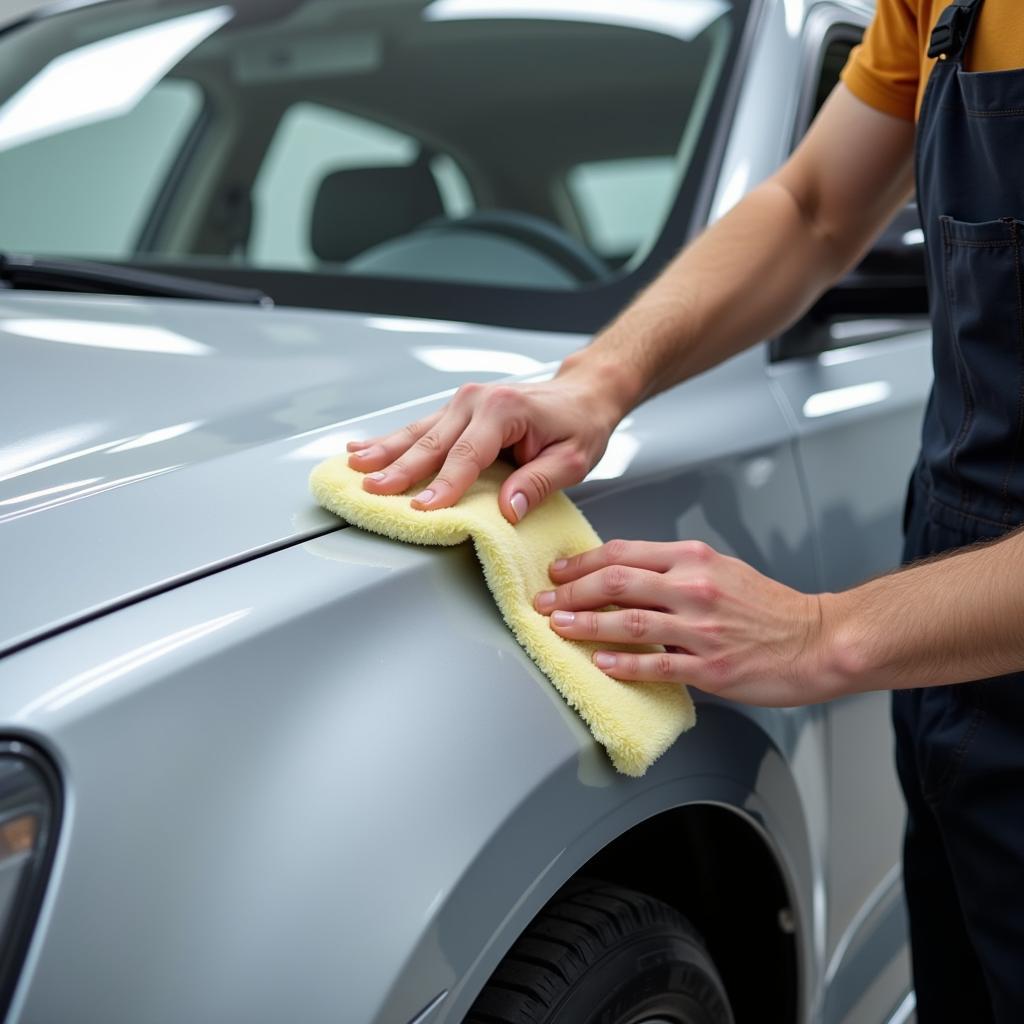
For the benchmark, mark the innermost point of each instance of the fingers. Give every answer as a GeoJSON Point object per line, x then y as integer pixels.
{"type": "Point", "coordinates": [617, 584]}
{"type": "Point", "coordinates": [664, 666]}
{"type": "Point", "coordinates": [465, 459]}
{"type": "Point", "coordinates": [560, 465]}
{"type": "Point", "coordinates": [376, 453]}
{"type": "Point", "coordinates": [548, 432]}
{"type": "Point", "coordinates": [640, 554]}
{"type": "Point", "coordinates": [626, 626]}
{"type": "Point", "coordinates": [422, 459]}
{"type": "Point", "coordinates": [634, 626]}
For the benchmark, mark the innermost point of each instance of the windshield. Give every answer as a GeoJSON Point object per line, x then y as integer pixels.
{"type": "Point", "coordinates": [379, 154]}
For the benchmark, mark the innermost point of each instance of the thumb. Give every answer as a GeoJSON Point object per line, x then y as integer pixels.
{"type": "Point", "coordinates": [560, 465]}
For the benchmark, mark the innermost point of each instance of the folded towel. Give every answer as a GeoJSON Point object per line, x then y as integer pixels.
{"type": "Point", "coordinates": [636, 722]}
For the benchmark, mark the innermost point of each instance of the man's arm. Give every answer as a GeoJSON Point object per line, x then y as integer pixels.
{"type": "Point", "coordinates": [950, 619]}
{"type": "Point", "coordinates": [750, 274]}
{"type": "Point", "coordinates": [764, 263]}
{"type": "Point", "coordinates": [729, 630]}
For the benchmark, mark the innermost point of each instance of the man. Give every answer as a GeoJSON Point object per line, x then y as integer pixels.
{"type": "Point", "coordinates": [942, 621]}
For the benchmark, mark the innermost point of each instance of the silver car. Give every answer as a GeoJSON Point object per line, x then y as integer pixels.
{"type": "Point", "coordinates": [258, 766]}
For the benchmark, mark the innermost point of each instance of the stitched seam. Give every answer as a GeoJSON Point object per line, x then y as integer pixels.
{"type": "Point", "coordinates": [918, 140]}
{"type": "Point", "coordinates": [1009, 112]}
{"type": "Point", "coordinates": [961, 368]}
{"type": "Point", "coordinates": [981, 245]}
{"type": "Point", "coordinates": [931, 497]}
{"type": "Point", "coordinates": [1020, 375]}
{"type": "Point", "coordinates": [949, 776]}
{"type": "Point", "coordinates": [965, 514]}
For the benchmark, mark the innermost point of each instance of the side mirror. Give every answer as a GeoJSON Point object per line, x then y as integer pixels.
{"type": "Point", "coordinates": [889, 285]}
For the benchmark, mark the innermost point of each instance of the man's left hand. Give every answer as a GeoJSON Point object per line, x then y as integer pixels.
{"type": "Point", "coordinates": [726, 628]}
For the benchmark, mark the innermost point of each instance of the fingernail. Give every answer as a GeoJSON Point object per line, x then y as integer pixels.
{"type": "Point", "coordinates": [355, 446]}
{"type": "Point", "coordinates": [559, 564]}
{"type": "Point", "coordinates": [605, 660]}
{"type": "Point", "coordinates": [376, 476]}
{"type": "Point", "coordinates": [369, 453]}
{"type": "Point", "coordinates": [424, 496]}
{"type": "Point", "coordinates": [519, 504]}
{"type": "Point", "coordinates": [563, 618]}
{"type": "Point", "coordinates": [546, 599]}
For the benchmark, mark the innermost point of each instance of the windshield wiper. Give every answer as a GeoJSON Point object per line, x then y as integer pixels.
{"type": "Point", "coordinates": [33, 273]}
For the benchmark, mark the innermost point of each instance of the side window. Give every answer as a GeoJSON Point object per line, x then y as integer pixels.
{"type": "Point", "coordinates": [119, 165]}
{"type": "Point", "coordinates": [314, 143]}
{"type": "Point", "coordinates": [833, 60]}
{"type": "Point", "coordinates": [886, 293]}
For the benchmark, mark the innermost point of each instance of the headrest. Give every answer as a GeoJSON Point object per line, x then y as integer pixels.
{"type": "Point", "coordinates": [360, 207]}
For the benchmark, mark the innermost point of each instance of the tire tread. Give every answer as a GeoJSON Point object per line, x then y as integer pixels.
{"type": "Point", "coordinates": [581, 924]}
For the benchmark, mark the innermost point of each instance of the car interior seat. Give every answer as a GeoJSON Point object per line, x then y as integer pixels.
{"type": "Point", "coordinates": [360, 207]}
{"type": "Point", "coordinates": [390, 222]}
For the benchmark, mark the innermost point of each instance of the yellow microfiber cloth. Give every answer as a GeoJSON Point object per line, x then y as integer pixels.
{"type": "Point", "coordinates": [636, 722]}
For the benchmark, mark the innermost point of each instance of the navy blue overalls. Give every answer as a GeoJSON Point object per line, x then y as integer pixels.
{"type": "Point", "coordinates": [960, 749]}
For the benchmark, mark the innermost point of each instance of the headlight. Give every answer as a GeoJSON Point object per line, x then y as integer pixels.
{"type": "Point", "coordinates": [29, 816]}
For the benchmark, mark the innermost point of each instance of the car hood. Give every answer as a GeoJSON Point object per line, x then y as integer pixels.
{"type": "Point", "coordinates": [144, 442]}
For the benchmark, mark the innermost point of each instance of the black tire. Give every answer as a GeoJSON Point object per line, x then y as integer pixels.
{"type": "Point", "coordinates": [599, 954]}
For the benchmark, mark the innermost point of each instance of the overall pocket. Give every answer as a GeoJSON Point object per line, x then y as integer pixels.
{"type": "Point", "coordinates": [984, 301]}
{"type": "Point", "coordinates": [950, 718]}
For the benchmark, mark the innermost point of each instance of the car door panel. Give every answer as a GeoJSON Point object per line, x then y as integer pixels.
{"type": "Point", "coordinates": [857, 413]}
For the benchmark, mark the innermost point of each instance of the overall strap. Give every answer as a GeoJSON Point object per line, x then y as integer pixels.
{"type": "Point", "coordinates": [953, 29]}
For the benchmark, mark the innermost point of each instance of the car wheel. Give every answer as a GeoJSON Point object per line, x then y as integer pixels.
{"type": "Point", "coordinates": [600, 954]}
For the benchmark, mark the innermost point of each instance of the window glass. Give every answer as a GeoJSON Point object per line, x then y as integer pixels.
{"type": "Point", "coordinates": [885, 294]}
{"type": "Point", "coordinates": [311, 142]}
{"type": "Point", "coordinates": [456, 195]}
{"type": "Point", "coordinates": [622, 203]}
{"type": "Point", "coordinates": [897, 255]}
{"type": "Point", "coordinates": [86, 191]}
{"type": "Point", "coordinates": [509, 145]}
{"type": "Point", "coordinates": [837, 52]}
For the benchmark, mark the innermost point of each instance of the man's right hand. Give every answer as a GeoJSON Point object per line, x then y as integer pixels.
{"type": "Point", "coordinates": [556, 430]}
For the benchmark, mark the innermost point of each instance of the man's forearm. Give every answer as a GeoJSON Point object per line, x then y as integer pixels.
{"type": "Point", "coordinates": [760, 266]}
{"type": "Point", "coordinates": [947, 620]}
{"type": "Point", "coordinates": [750, 274]}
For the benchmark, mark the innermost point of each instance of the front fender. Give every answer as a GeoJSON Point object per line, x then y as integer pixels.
{"type": "Point", "coordinates": [573, 812]}
{"type": "Point", "coordinates": [330, 778]}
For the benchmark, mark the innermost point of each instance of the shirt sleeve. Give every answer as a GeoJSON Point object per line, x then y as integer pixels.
{"type": "Point", "coordinates": [884, 71]}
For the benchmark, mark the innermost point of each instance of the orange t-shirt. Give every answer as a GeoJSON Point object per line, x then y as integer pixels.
{"type": "Point", "coordinates": [890, 69]}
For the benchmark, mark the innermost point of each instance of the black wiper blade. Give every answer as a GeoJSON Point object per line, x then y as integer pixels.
{"type": "Point", "coordinates": [32, 272]}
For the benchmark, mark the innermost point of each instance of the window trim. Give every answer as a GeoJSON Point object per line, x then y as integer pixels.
{"type": "Point", "coordinates": [827, 25]}
{"type": "Point", "coordinates": [155, 224]}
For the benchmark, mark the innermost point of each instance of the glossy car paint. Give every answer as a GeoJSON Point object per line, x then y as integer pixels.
{"type": "Point", "coordinates": [309, 771]}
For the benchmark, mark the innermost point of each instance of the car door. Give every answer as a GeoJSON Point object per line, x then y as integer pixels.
{"type": "Point", "coordinates": [855, 375]}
